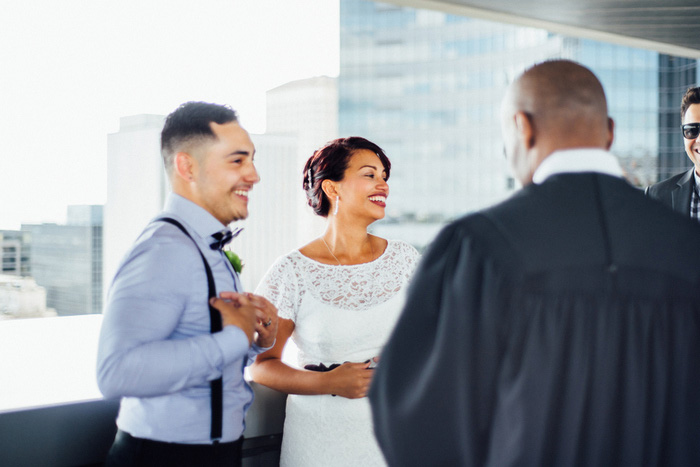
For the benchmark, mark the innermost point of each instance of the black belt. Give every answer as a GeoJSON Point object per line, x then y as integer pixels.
{"type": "Point", "coordinates": [322, 367]}
{"type": "Point", "coordinates": [128, 450]}
{"type": "Point", "coordinates": [332, 366]}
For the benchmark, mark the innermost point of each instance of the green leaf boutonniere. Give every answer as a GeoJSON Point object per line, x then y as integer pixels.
{"type": "Point", "coordinates": [235, 260]}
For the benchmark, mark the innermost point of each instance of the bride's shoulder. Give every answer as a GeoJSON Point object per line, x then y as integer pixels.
{"type": "Point", "coordinates": [284, 264]}
{"type": "Point", "coordinates": [404, 248]}
{"type": "Point", "coordinates": [310, 250]}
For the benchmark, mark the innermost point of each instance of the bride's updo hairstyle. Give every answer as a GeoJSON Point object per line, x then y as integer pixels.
{"type": "Point", "coordinates": [330, 163]}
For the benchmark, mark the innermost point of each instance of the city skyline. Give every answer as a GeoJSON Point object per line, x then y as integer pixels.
{"type": "Point", "coordinates": [427, 87]}
{"type": "Point", "coordinates": [72, 69]}
{"type": "Point", "coordinates": [45, 153]}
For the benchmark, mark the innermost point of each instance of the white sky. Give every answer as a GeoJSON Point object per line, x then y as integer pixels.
{"type": "Point", "coordinates": [69, 69]}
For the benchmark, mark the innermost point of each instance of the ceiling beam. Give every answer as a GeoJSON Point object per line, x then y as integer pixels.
{"type": "Point", "coordinates": [462, 9]}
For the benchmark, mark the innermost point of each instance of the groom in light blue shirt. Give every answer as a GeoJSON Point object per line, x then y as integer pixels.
{"type": "Point", "coordinates": [177, 324]}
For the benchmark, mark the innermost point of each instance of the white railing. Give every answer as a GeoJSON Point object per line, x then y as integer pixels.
{"type": "Point", "coordinates": [48, 361]}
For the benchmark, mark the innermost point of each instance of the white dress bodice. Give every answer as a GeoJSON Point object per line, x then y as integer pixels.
{"type": "Point", "coordinates": [341, 313]}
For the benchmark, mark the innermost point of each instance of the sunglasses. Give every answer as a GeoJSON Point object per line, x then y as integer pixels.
{"type": "Point", "coordinates": [690, 130]}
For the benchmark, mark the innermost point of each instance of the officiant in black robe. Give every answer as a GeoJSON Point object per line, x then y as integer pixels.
{"type": "Point", "coordinates": [561, 327]}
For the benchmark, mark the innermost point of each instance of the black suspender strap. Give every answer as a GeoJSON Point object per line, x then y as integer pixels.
{"type": "Point", "coordinates": [216, 385]}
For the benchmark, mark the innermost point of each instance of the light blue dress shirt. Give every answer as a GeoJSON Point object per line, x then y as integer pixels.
{"type": "Point", "coordinates": [156, 351]}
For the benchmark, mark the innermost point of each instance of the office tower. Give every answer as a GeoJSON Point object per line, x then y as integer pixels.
{"type": "Point", "coordinates": [15, 253]}
{"type": "Point", "coordinates": [301, 117]}
{"type": "Point", "coordinates": [427, 87]}
{"type": "Point", "coordinates": [21, 297]}
{"type": "Point", "coordinates": [136, 185]}
{"type": "Point", "coordinates": [306, 109]}
{"type": "Point", "coordinates": [271, 227]}
{"type": "Point", "coordinates": [676, 74]}
{"type": "Point", "coordinates": [67, 261]}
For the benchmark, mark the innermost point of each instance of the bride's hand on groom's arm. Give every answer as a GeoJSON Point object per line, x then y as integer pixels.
{"type": "Point", "coordinates": [255, 315]}
{"type": "Point", "coordinates": [350, 380]}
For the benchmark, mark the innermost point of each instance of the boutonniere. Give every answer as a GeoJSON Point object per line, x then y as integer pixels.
{"type": "Point", "coordinates": [235, 261]}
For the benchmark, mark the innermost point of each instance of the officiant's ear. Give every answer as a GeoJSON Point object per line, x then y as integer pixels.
{"type": "Point", "coordinates": [184, 166]}
{"type": "Point", "coordinates": [611, 133]}
{"type": "Point", "coordinates": [525, 128]}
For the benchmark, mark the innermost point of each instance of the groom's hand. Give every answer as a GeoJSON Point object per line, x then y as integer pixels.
{"type": "Point", "coordinates": [233, 313]}
{"type": "Point", "coordinates": [265, 312]}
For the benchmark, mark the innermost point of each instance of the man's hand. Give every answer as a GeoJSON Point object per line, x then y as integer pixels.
{"type": "Point", "coordinates": [264, 316]}
{"type": "Point", "coordinates": [233, 314]}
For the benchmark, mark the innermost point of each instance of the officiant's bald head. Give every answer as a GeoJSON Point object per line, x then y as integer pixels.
{"type": "Point", "coordinates": [554, 105]}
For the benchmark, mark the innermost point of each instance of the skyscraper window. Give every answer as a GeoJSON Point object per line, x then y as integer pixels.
{"type": "Point", "coordinates": [428, 90]}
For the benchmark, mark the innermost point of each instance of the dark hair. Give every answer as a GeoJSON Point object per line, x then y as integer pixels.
{"type": "Point", "coordinates": [191, 124]}
{"type": "Point", "coordinates": [692, 96]}
{"type": "Point", "coordinates": [330, 163]}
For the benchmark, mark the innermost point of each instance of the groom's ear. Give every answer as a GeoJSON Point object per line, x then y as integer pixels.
{"type": "Point", "coordinates": [183, 166]}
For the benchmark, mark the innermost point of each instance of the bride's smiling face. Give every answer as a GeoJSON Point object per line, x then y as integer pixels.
{"type": "Point", "coordinates": [363, 191]}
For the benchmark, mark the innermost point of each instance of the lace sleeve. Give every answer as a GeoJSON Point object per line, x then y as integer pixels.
{"type": "Point", "coordinates": [409, 257]}
{"type": "Point", "coordinates": [278, 286]}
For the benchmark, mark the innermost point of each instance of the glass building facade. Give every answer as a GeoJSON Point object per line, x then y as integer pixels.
{"type": "Point", "coordinates": [427, 86]}
{"type": "Point", "coordinates": [67, 261]}
{"type": "Point", "coordinates": [15, 253]}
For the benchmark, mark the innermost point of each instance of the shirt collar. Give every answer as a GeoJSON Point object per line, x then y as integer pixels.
{"type": "Point", "coordinates": [697, 180]}
{"type": "Point", "coordinates": [576, 161]}
{"type": "Point", "coordinates": [197, 218]}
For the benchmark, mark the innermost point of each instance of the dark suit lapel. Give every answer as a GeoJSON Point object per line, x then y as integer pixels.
{"type": "Point", "coordinates": [680, 197]}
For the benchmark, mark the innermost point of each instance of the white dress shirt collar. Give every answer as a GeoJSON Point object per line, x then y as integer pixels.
{"type": "Point", "coordinates": [576, 161]}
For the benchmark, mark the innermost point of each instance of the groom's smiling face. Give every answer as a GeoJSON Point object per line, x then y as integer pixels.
{"type": "Point", "coordinates": [225, 173]}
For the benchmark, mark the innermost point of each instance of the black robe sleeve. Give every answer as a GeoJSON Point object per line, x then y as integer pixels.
{"type": "Point", "coordinates": [534, 337]}
{"type": "Point", "coordinates": [437, 363]}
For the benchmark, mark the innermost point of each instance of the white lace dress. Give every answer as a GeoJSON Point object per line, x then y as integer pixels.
{"type": "Point", "coordinates": [341, 314]}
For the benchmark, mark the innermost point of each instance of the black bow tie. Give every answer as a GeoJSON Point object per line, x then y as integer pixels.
{"type": "Point", "coordinates": [223, 238]}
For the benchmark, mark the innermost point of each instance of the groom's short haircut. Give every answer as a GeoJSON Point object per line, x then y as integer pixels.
{"type": "Point", "coordinates": [189, 126]}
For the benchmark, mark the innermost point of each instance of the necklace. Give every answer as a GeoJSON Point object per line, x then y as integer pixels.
{"type": "Point", "coordinates": [336, 258]}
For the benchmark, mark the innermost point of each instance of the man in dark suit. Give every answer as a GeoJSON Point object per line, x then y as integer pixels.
{"type": "Point", "coordinates": [681, 192]}
{"type": "Point", "coordinates": [561, 327]}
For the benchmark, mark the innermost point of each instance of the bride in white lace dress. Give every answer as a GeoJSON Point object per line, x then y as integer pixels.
{"type": "Point", "coordinates": [338, 298]}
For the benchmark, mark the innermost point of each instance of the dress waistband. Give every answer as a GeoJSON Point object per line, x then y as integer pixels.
{"type": "Point", "coordinates": [322, 367]}
{"type": "Point", "coordinates": [332, 366]}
